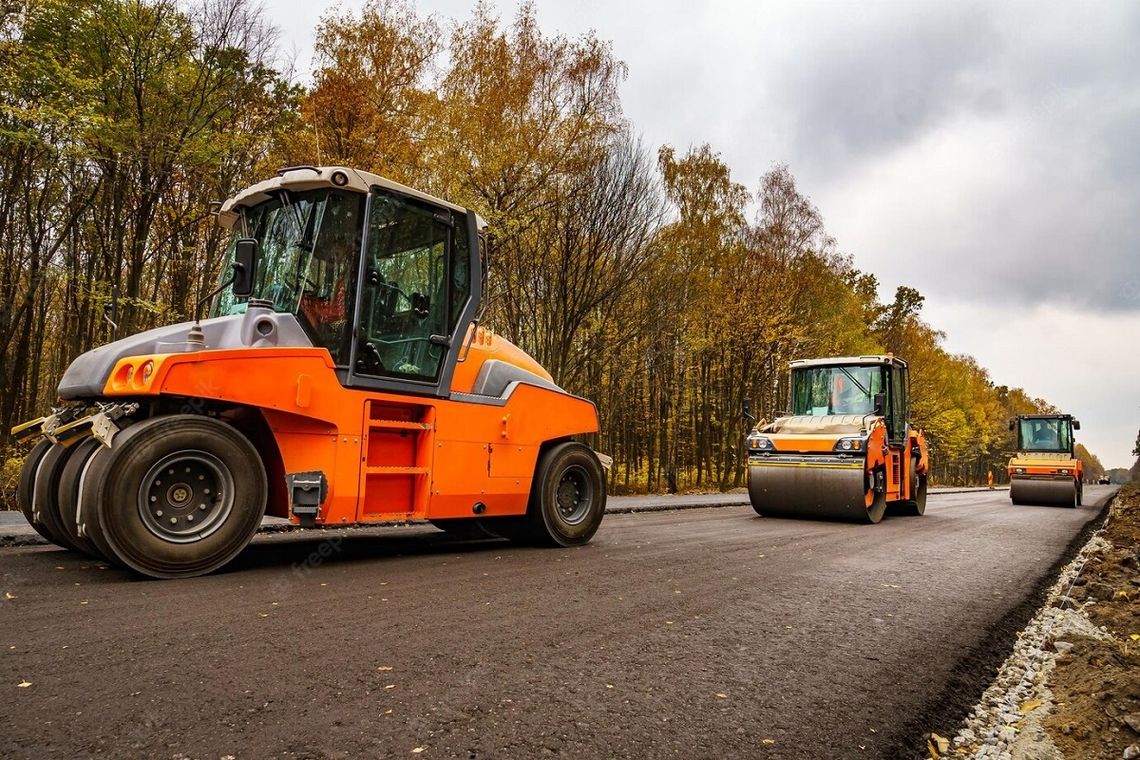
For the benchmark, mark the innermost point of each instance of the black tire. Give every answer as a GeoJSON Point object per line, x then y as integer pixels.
{"type": "Point", "coordinates": [877, 509]}
{"type": "Point", "coordinates": [568, 497]}
{"type": "Point", "coordinates": [1080, 493]}
{"type": "Point", "coordinates": [915, 507]}
{"type": "Point", "coordinates": [26, 486]}
{"type": "Point", "coordinates": [179, 496]}
{"type": "Point", "coordinates": [45, 504]}
{"type": "Point", "coordinates": [67, 498]}
{"type": "Point", "coordinates": [91, 482]}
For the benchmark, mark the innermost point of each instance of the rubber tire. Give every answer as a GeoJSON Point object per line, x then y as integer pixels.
{"type": "Point", "coordinates": [543, 523]}
{"type": "Point", "coordinates": [89, 489]}
{"type": "Point", "coordinates": [115, 496]}
{"type": "Point", "coordinates": [877, 509]}
{"type": "Point", "coordinates": [25, 486]}
{"type": "Point", "coordinates": [915, 507]}
{"type": "Point", "coordinates": [1080, 493]}
{"type": "Point", "coordinates": [67, 498]}
{"type": "Point", "coordinates": [45, 495]}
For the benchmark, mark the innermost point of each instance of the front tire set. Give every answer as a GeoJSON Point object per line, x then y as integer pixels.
{"type": "Point", "coordinates": [181, 495]}
{"type": "Point", "coordinates": [177, 495]}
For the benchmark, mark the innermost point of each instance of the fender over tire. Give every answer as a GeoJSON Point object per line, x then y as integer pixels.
{"type": "Point", "coordinates": [67, 497]}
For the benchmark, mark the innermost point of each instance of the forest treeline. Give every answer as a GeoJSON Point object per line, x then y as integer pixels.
{"type": "Point", "coordinates": [647, 278]}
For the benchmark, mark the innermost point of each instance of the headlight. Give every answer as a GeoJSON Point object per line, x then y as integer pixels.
{"type": "Point", "coordinates": [849, 444]}
{"type": "Point", "coordinates": [760, 442]}
{"type": "Point", "coordinates": [1019, 470]}
{"type": "Point", "coordinates": [1064, 472]}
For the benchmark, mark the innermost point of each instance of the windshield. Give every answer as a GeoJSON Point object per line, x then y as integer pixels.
{"type": "Point", "coordinates": [308, 246]}
{"type": "Point", "coordinates": [820, 391]}
{"type": "Point", "coordinates": [1050, 434]}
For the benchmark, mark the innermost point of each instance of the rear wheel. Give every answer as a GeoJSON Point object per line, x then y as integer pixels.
{"type": "Point", "coordinates": [179, 495]}
{"type": "Point", "coordinates": [878, 506]}
{"type": "Point", "coordinates": [45, 502]}
{"type": "Point", "coordinates": [67, 498]}
{"type": "Point", "coordinates": [916, 506]}
{"type": "Point", "coordinates": [1080, 493]}
{"type": "Point", "coordinates": [568, 497]}
{"type": "Point", "coordinates": [25, 488]}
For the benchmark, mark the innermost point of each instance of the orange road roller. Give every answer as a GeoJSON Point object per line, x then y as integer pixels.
{"type": "Point", "coordinates": [343, 379]}
{"type": "Point", "coordinates": [1044, 470]}
{"type": "Point", "coordinates": [845, 451]}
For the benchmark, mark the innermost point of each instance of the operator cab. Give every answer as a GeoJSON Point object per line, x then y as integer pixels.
{"type": "Point", "coordinates": [386, 278]}
{"type": "Point", "coordinates": [864, 385]}
{"type": "Point", "coordinates": [1047, 433]}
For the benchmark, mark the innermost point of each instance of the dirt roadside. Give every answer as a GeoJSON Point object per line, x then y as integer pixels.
{"type": "Point", "coordinates": [1096, 683]}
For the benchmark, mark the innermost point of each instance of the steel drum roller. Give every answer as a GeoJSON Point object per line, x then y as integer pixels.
{"type": "Point", "coordinates": [800, 489]}
{"type": "Point", "coordinates": [1061, 493]}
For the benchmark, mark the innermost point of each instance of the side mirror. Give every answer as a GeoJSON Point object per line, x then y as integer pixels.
{"type": "Point", "coordinates": [880, 403]}
{"type": "Point", "coordinates": [1012, 425]}
{"type": "Point", "coordinates": [1076, 424]}
{"type": "Point", "coordinates": [245, 267]}
{"type": "Point", "coordinates": [746, 411]}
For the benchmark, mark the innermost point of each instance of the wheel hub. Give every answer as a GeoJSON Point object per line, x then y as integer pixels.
{"type": "Point", "coordinates": [574, 495]}
{"type": "Point", "coordinates": [186, 496]}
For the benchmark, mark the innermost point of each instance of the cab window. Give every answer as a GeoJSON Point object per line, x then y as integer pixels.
{"type": "Point", "coordinates": [405, 293]}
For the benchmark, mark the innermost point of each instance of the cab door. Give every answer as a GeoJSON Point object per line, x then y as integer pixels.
{"type": "Point", "coordinates": [418, 291]}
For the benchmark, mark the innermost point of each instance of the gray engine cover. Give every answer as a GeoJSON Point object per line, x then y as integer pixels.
{"type": "Point", "coordinates": [259, 327]}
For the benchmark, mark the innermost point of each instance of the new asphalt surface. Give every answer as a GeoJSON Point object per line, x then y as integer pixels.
{"type": "Point", "coordinates": [693, 633]}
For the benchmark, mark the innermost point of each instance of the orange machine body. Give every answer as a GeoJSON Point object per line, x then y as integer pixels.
{"type": "Point", "coordinates": [387, 456]}
{"type": "Point", "coordinates": [894, 459]}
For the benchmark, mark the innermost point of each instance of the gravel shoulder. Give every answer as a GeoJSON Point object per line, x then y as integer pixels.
{"type": "Point", "coordinates": [1070, 689]}
{"type": "Point", "coordinates": [1096, 683]}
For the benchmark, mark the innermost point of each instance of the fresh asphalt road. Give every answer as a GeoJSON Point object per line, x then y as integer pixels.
{"type": "Point", "coordinates": [697, 633]}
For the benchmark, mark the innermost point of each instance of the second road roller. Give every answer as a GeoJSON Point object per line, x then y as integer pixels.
{"type": "Point", "coordinates": [846, 450]}
{"type": "Point", "coordinates": [1045, 470]}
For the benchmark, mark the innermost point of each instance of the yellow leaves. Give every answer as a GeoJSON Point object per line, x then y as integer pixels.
{"type": "Point", "coordinates": [23, 684]}
{"type": "Point", "coordinates": [1031, 705]}
{"type": "Point", "coordinates": [937, 745]}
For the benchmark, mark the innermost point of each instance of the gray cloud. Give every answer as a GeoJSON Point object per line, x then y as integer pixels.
{"type": "Point", "coordinates": [1055, 88]}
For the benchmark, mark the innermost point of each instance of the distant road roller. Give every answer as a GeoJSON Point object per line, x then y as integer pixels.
{"type": "Point", "coordinates": [846, 451]}
{"type": "Point", "coordinates": [343, 380]}
{"type": "Point", "coordinates": [1045, 470]}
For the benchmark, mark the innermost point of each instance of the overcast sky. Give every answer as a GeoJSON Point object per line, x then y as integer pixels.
{"type": "Point", "coordinates": [987, 154]}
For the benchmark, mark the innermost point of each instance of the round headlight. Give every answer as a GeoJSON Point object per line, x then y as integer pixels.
{"type": "Point", "coordinates": [845, 444]}
{"type": "Point", "coordinates": [339, 178]}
